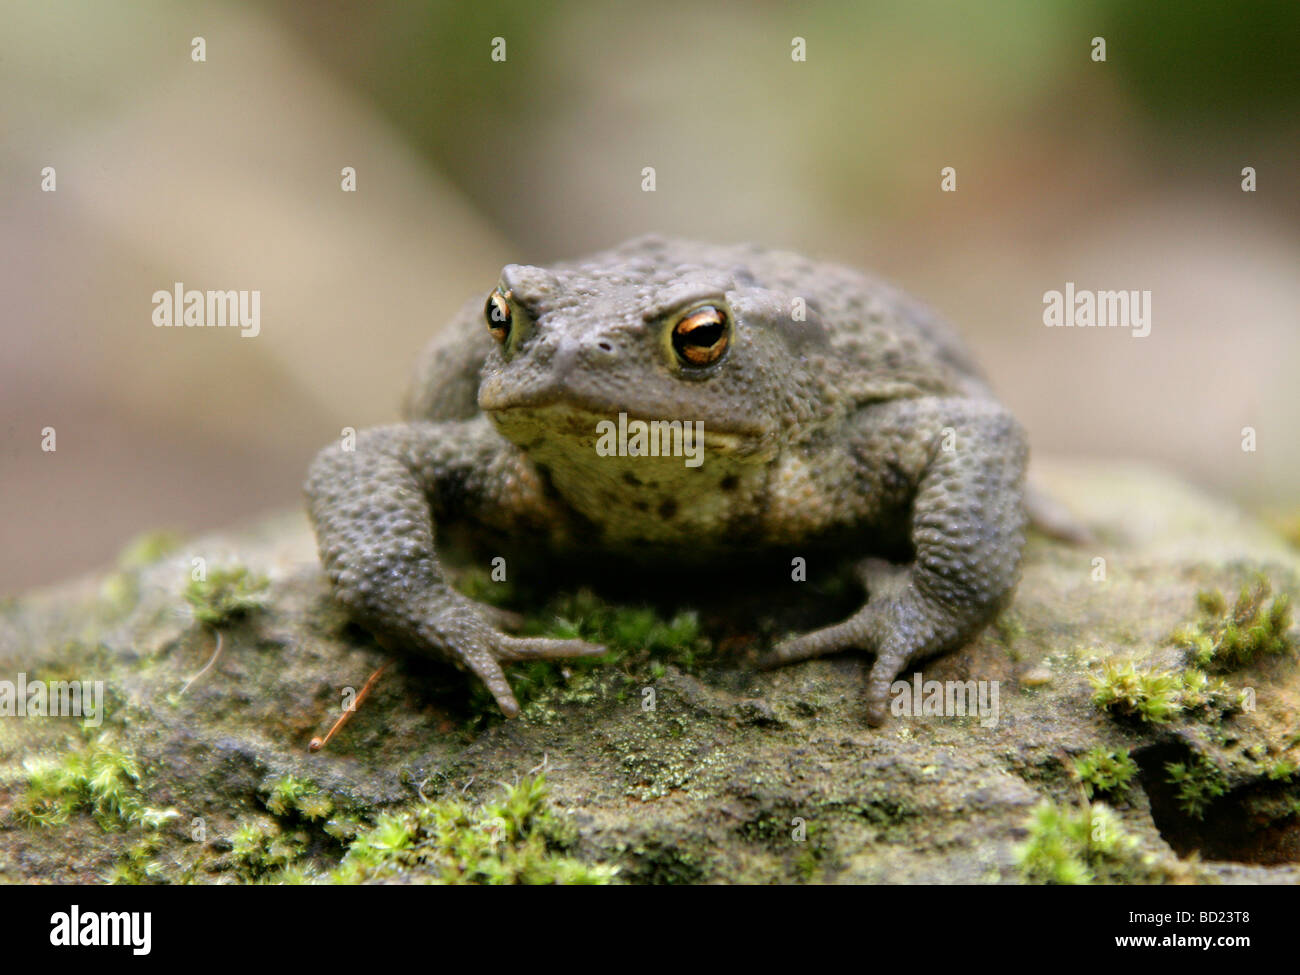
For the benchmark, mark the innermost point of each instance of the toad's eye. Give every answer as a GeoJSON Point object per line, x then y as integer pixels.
{"type": "Point", "coordinates": [497, 313]}
{"type": "Point", "coordinates": [700, 338]}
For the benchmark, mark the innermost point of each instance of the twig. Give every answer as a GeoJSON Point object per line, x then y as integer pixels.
{"type": "Point", "coordinates": [318, 743]}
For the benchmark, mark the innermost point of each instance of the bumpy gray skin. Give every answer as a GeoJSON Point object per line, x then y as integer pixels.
{"type": "Point", "coordinates": [841, 414]}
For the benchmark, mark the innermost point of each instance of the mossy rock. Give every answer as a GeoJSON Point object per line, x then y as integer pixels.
{"type": "Point", "coordinates": [673, 760]}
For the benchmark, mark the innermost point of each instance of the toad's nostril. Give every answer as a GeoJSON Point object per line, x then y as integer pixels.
{"type": "Point", "coordinates": [604, 347]}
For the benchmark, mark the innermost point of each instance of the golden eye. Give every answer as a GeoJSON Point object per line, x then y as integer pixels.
{"type": "Point", "coordinates": [497, 312]}
{"type": "Point", "coordinates": [700, 338]}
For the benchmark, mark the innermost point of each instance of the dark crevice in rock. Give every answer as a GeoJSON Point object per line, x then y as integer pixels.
{"type": "Point", "coordinates": [1256, 823]}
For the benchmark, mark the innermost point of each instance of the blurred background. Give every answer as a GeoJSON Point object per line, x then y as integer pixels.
{"type": "Point", "coordinates": [226, 175]}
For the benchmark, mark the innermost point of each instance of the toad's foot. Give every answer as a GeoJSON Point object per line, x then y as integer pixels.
{"type": "Point", "coordinates": [459, 633]}
{"type": "Point", "coordinates": [892, 624]}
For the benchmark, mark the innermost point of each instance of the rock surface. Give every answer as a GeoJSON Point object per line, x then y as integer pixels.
{"type": "Point", "coordinates": [734, 775]}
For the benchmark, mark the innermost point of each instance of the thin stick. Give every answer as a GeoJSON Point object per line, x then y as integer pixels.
{"type": "Point", "coordinates": [206, 667]}
{"type": "Point", "coordinates": [318, 743]}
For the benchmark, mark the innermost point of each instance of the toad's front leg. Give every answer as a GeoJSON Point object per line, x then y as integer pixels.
{"type": "Point", "coordinates": [963, 462]}
{"type": "Point", "coordinates": [374, 509]}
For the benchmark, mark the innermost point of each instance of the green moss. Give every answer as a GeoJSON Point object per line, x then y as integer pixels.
{"type": "Point", "coordinates": [1082, 845]}
{"type": "Point", "coordinates": [248, 841]}
{"type": "Point", "coordinates": [768, 828]}
{"type": "Point", "coordinates": [1281, 770]}
{"type": "Point", "coordinates": [290, 795]}
{"type": "Point", "coordinates": [514, 840]}
{"type": "Point", "coordinates": [1089, 844]}
{"type": "Point", "coordinates": [775, 832]}
{"type": "Point", "coordinates": [148, 548]}
{"type": "Point", "coordinates": [1227, 638]}
{"type": "Point", "coordinates": [1199, 783]}
{"type": "Point", "coordinates": [260, 845]}
{"type": "Point", "coordinates": [477, 583]}
{"type": "Point", "coordinates": [140, 865]}
{"type": "Point", "coordinates": [225, 594]}
{"type": "Point", "coordinates": [293, 798]}
{"type": "Point", "coordinates": [640, 644]}
{"type": "Point", "coordinates": [1207, 696]}
{"type": "Point", "coordinates": [102, 780]}
{"type": "Point", "coordinates": [1158, 696]}
{"type": "Point", "coordinates": [810, 862]}
{"type": "Point", "coordinates": [634, 635]}
{"type": "Point", "coordinates": [1103, 772]}
{"type": "Point", "coordinates": [315, 806]}
{"type": "Point", "coordinates": [341, 828]}
{"type": "Point", "coordinates": [1150, 695]}
{"type": "Point", "coordinates": [99, 778]}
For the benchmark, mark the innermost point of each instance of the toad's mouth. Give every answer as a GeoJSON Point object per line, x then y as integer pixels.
{"type": "Point", "coordinates": [530, 421]}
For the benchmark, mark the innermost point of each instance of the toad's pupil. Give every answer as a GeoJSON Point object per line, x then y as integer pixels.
{"type": "Point", "coordinates": [701, 337]}
{"type": "Point", "coordinates": [498, 314]}
{"type": "Point", "coordinates": [704, 334]}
